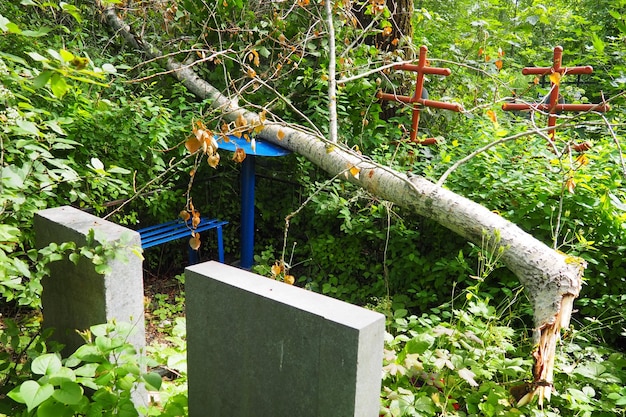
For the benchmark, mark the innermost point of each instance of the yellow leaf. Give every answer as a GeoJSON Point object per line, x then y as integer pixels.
{"type": "Point", "coordinates": [277, 269]}
{"type": "Point", "coordinates": [355, 172]}
{"type": "Point", "coordinates": [280, 135]}
{"type": "Point", "coordinates": [555, 78]}
{"type": "Point", "coordinates": [195, 221]}
{"type": "Point", "coordinates": [241, 121]}
{"type": "Point", "coordinates": [254, 57]}
{"type": "Point", "coordinates": [214, 160]}
{"type": "Point", "coordinates": [251, 73]}
{"type": "Point", "coordinates": [193, 144]}
{"type": "Point", "coordinates": [492, 116]}
{"type": "Point", "coordinates": [194, 242]}
{"type": "Point", "coordinates": [582, 159]}
{"type": "Point", "coordinates": [258, 128]}
{"type": "Point", "coordinates": [290, 279]}
{"type": "Point", "coordinates": [239, 155]}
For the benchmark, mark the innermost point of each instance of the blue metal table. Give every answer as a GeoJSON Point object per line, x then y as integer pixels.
{"type": "Point", "coordinates": [247, 188]}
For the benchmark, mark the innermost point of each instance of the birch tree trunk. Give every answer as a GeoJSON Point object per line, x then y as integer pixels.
{"type": "Point", "coordinates": [551, 279]}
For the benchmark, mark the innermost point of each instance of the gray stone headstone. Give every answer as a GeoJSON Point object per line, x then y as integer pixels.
{"type": "Point", "coordinates": [257, 347]}
{"type": "Point", "coordinates": [76, 297]}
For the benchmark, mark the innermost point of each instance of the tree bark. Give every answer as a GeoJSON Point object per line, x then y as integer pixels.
{"type": "Point", "coordinates": [552, 279]}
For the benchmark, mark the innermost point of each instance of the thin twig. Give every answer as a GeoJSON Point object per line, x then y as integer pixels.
{"type": "Point", "coordinates": [146, 185]}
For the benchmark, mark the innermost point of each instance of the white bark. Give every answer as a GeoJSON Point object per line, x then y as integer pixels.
{"type": "Point", "coordinates": [550, 277]}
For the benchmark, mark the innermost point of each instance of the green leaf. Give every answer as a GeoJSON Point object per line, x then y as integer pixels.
{"type": "Point", "coordinates": [16, 396]}
{"type": "Point", "coordinates": [70, 393]}
{"type": "Point", "coordinates": [43, 31]}
{"type": "Point", "coordinates": [58, 85]}
{"type": "Point", "coordinates": [26, 127]}
{"type": "Point", "coordinates": [42, 79]}
{"type": "Point", "coordinates": [264, 52]}
{"type": "Point", "coordinates": [126, 408]}
{"type": "Point", "coordinates": [46, 364]}
{"type": "Point", "coordinates": [597, 43]}
{"type": "Point", "coordinates": [13, 28]}
{"type": "Point", "coordinates": [37, 57]}
{"type": "Point", "coordinates": [153, 380]}
{"type": "Point", "coordinates": [34, 394]}
{"type": "Point", "coordinates": [9, 233]}
{"type": "Point", "coordinates": [74, 258]}
{"type": "Point", "coordinates": [66, 56]}
{"type": "Point", "coordinates": [54, 54]}
{"type": "Point", "coordinates": [64, 374]}
{"type": "Point", "coordinates": [420, 343]}
{"type": "Point", "coordinates": [71, 10]}
{"type": "Point", "coordinates": [3, 23]}
{"type": "Point", "coordinates": [88, 353]}
{"type": "Point", "coordinates": [52, 408]}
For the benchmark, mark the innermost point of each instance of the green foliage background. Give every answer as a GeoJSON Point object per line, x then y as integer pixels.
{"type": "Point", "coordinates": [85, 121]}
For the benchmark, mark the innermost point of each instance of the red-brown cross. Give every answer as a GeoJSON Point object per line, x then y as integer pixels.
{"type": "Point", "coordinates": [421, 68]}
{"type": "Point", "coordinates": [553, 106]}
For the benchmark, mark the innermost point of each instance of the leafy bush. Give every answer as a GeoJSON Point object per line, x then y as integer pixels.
{"type": "Point", "coordinates": [469, 361]}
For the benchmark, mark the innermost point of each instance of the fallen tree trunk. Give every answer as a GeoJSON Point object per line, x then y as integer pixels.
{"type": "Point", "coordinates": [552, 279]}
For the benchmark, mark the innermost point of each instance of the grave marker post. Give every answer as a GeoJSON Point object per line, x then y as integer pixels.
{"type": "Point", "coordinates": [259, 347]}
{"type": "Point", "coordinates": [76, 297]}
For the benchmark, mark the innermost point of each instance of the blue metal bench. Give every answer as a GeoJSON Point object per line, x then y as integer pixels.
{"type": "Point", "coordinates": [178, 229]}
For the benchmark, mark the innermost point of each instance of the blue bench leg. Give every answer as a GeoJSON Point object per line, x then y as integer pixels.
{"type": "Point", "coordinates": [220, 244]}
{"type": "Point", "coordinates": [193, 256]}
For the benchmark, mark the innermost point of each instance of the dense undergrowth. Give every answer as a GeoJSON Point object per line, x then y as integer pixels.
{"type": "Point", "coordinates": [85, 122]}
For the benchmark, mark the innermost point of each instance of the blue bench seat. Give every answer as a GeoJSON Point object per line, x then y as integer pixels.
{"type": "Point", "coordinates": [178, 229]}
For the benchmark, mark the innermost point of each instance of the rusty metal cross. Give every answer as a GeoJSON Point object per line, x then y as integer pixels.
{"type": "Point", "coordinates": [552, 106]}
{"type": "Point", "coordinates": [417, 100]}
